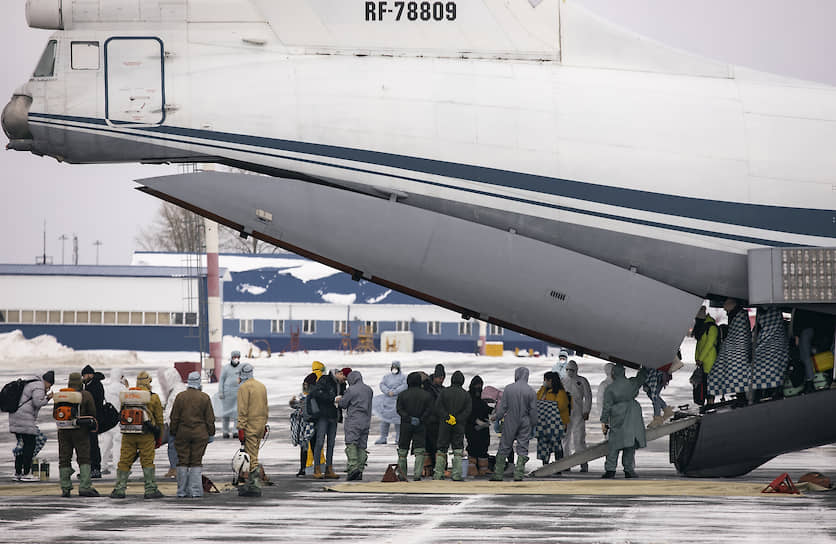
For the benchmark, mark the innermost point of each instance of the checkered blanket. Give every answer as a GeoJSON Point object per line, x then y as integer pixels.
{"type": "Point", "coordinates": [301, 431]}
{"type": "Point", "coordinates": [771, 350]}
{"type": "Point", "coordinates": [40, 440]}
{"type": "Point", "coordinates": [732, 371]}
{"type": "Point", "coordinates": [549, 430]}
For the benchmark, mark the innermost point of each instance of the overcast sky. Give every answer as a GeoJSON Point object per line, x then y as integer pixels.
{"type": "Point", "coordinates": [793, 38]}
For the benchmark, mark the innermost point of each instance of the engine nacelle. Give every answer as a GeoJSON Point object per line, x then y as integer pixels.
{"type": "Point", "coordinates": [46, 14]}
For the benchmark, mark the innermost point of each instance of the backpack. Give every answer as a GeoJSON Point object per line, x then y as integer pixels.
{"type": "Point", "coordinates": [11, 393]}
{"type": "Point", "coordinates": [67, 403]}
{"type": "Point", "coordinates": [134, 412]}
{"type": "Point", "coordinates": [310, 411]}
{"type": "Point", "coordinates": [110, 417]}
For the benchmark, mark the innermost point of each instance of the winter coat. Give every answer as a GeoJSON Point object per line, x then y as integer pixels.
{"type": "Point", "coordinates": [94, 386]}
{"type": "Point", "coordinates": [25, 420]}
{"type": "Point", "coordinates": [561, 398]}
{"type": "Point", "coordinates": [706, 351]}
{"type": "Point", "coordinates": [519, 402]}
{"type": "Point", "coordinates": [453, 400]}
{"type": "Point", "coordinates": [622, 412]}
{"type": "Point", "coordinates": [385, 405]}
{"type": "Point", "coordinates": [228, 390]}
{"type": "Point", "coordinates": [325, 391]}
{"type": "Point", "coordinates": [414, 401]}
{"type": "Point", "coordinates": [252, 407]}
{"type": "Point", "coordinates": [435, 391]}
{"type": "Point", "coordinates": [479, 409]}
{"type": "Point", "coordinates": [357, 403]}
{"type": "Point", "coordinates": [171, 384]}
{"type": "Point", "coordinates": [191, 415]}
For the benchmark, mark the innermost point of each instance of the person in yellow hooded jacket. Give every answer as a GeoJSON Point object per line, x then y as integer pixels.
{"type": "Point", "coordinates": [706, 331]}
{"type": "Point", "coordinates": [142, 446]}
{"type": "Point", "coordinates": [252, 422]}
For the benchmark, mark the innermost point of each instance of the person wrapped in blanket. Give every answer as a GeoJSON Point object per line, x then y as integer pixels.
{"type": "Point", "coordinates": [302, 431]}
{"type": "Point", "coordinates": [553, 411]}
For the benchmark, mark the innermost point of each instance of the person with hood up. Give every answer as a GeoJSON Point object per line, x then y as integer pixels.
{"type": "Point", "coordinates": [228, 392]}
{"type": "Point", "coordinates": [301, 431]}
{"type": "Point", "coordinates": [553, 412]}
{"type": "Point", "coordinates": [452, 409]}
{"type": "Point", "coordinates": [192, 424]}
{"type": "Point", "coordinates": [253, 411]}
{"type": "Point", "coordinates": [75, 437]}
{"type": "Point", "coordinates": [621, 421]}
{"type": "Point", "coordinates": [435, 385]}
{"type": "Point", "coordinates": [325, 393]}
{"type": "Point", "coordinates": [111, 441]}
{"type": "Point", "coordinates": [560, 366]}
{"type": "Point", "coordinates": [171, 386]}
{"type": "Point", "coordinates": [384, 405]}
{"type": "Point", "coordinates": [92, 381]}
{"type": "Point", "coordinates": [414, 406]}
{"type": "Point", "coordinates": [730, 374]}
{"type": "Point", "coordinates": [141, 445]}
{"type": "Point", "coordinates": [24, 422]}
{"type": "Point", "coordinates": [477, 431]}
{"type": "Point", "coordinates": [656, 380]}
{"type": "Point", "coordinates": [706, 332]}
{"type": "Point", "coordinates": [580, 392]}
{"type": "Point", "coordinates": [518, 407]}
{"type": "Point", "coordinates": [602, 387]}
{"type": "Point", "coordinates": [357, 403]}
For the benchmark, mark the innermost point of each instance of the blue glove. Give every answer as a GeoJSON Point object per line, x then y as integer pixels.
{"type": "Point", "coordinates": [414, 421]}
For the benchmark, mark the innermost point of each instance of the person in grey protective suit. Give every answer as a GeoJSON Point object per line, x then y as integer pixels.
{"type": "Point", "coordinates": [621, 421]}
{"type": "Point", "coordinates": [577, 386]}
{"type": "Point", "coordinates": [357, 403]}
{"type": "Point", "coordinates": [519, 409]}
{"type": "Point", "coordinates": [228, 392]}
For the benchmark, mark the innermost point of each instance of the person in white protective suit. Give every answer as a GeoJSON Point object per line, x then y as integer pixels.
{"type": "Point", "coordinates": [227, 396]}
{"type": "Point", "coordinates": [574, 440]}
{"type": "Point", "coordinates": [560, 365]}
{"type": "Point", "coordinates": [111, 441]}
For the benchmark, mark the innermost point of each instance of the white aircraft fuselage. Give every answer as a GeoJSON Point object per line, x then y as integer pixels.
{"type": "Point", "coordinates": [582, 181]}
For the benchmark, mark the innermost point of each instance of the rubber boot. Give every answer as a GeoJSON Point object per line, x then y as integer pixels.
{"type": "Point", "coordinates": [440, 465]}
{"type": "Point", "coordinates": [253, 486]}
{"type": "Point", "coordinates": [402, 460]}
{"type": "Point", "coordinates": [519, 469]}
{"type": "Point", "coordinates": [482, 464]}
{"type": "Point", "coordinates": [195, 482]}
{"type": "Point", "coordinates": [355, 470]}
{"type": "Point", "coordinates": [498, 470]}
{"type": "Point", "coordinates": [151, 491]}
{"type": "Point", "coordinates": [362, 457]}
{"type": "Point", "coordinates": [85, 487]}
{"type": "Point", "coordinates": [418, 467]}
{"type": "Point", "coordinates": [182, 481]}
{"type": "Point", "coordinates": [121, 484]}
{"type": "Point", "coordinates": [384, 433]}
{"type": "Point", "coordinates": [456, 473]}
{"type": "Point", "coordinates": [64, 474]}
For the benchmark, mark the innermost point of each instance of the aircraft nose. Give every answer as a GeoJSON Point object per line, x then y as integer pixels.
{"type": "Point", "coordinates": [15, 121]}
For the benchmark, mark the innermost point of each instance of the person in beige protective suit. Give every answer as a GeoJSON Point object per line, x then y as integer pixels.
{"type": "Point", "coordinates": [252, 422]}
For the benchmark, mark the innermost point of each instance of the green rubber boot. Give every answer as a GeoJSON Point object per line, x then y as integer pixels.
{"type": "Point", "coordinates": [362, 457]}
{"type": "Point", "coordinates": [499, 469]}
{"type": "Point", "coordinates": [121, 484]}
{"type": "Point", "coordinates": [440, 465]}
{"type": "Point", "coordinates": [402, 460]}
{"type": "Point", "coordinates": [64, 474]}
{"type": "Point", "coordinates": [85, 486]}
{"type": "Point", "coordinates": [351, 456]}
{"type": "Point", "coordinates": [418, 468]}
{"type": "Point", "coordinates": [519, 468]}
{"type": "Point", "coordinates": [456, 472]}
{"type": "Point", "coordinates": [151, 491]}
{"type": "Point", "coordinates": [253, 486]}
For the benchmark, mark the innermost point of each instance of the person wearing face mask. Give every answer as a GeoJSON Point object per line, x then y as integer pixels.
{"type": "Point", "coordinates": [552, 417]}
{"type": "Point", "coordinates": [477, 431]}
{"type": "Point", "coordinates": [228, 392]}
{"type": "Point", "coordinates": [385, 405]}
{"type": "Point", "coordinates": [560, 366]}
{"type": "Point", "coordinates": [580, 392]}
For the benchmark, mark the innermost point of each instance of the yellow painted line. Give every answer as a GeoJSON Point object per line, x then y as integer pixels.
{"type": "Point", "coordinates": [676, 488]}
{"type": "Point", "coordinates": [44, 489]}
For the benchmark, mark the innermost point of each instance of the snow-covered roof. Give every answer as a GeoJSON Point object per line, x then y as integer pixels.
{"type": "Point", "coordinates": [103, 270]}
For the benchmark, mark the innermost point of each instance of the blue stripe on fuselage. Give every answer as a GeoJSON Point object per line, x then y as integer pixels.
{"type": "Point", "coordinates": [806, 221]}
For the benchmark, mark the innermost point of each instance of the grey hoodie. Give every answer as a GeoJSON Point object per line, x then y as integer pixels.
{"type": "Point", "coordinates": [357, 403]}
{"type": "Point", "coordinates": [519, 402]}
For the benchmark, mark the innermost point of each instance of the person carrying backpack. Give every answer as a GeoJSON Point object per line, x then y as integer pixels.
{"type": "Point", "coordinates": [75, 417]}
{"type": "Point", "coordinates": [34, 394]}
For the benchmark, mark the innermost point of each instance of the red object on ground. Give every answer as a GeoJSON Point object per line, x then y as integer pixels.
{"type": "Point", "coordinates": [184, 368]}
{"type": "Point", "coordinates": [782, 484]}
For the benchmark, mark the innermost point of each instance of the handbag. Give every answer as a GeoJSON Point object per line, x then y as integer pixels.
{"type": "Point", "coordinates": [311, 411]}
{"type": "Point", "coordinates": [110, 417]}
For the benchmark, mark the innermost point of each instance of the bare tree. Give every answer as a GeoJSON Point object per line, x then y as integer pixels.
{"type": "Point", "coordinates": [231, 241]}
{"type": "Point", "coordinates": [174, 229]}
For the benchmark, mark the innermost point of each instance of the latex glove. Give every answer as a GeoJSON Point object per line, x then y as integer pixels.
{"type": "Point", "coordinates": [414, 421]}
{"type": "Point", "coordinates": [241, 435]}
{"type": "Point", "coordinates": [391, 393]}
{"type": "Point", "coordinates": [450, 420]}
{"type": "Point", "coordinates": [267, 429]}
{"type": "Point", "coordinates": [586, 416]}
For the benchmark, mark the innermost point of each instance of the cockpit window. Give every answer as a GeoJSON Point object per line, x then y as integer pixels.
{"type": "Point", "coordinates": [46, 66]}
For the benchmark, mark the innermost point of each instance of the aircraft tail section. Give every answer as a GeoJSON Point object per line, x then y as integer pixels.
{"type": "Point", "coordinates": [535, 288]}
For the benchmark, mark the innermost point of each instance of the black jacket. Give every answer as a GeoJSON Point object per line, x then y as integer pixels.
{"type": "Point", "coordinates": [453, 400]}
{"type": "Point", "coordinates": [414, 401]}
{"type": "Point", "coordinates": [324, 391]}
{"type": "Point", "coordinates": [94, 386]}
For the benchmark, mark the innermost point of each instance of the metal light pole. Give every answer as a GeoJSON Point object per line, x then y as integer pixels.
{"type": "Point", "coordinates": [98, 244]}
{"type": "Point", "coordinates": [63, 239]}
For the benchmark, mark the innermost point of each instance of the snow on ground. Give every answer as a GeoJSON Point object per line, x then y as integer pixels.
{"type": "Point", "coordinates": [297, 509]}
